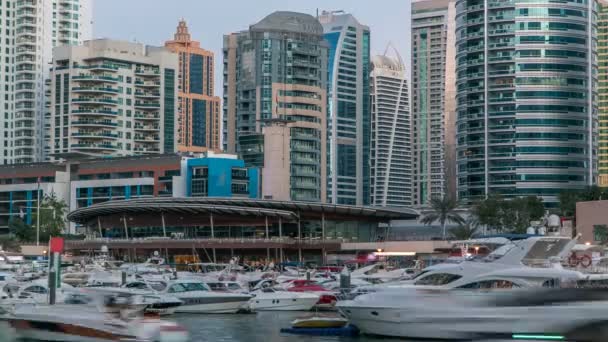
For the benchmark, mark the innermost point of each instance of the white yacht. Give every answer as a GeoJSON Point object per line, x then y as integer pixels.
{"type": "Point", "coordinates": [269, 299]}
{"type": "Point", "coordinates": [538, 314]}
{"type": "Point", "coordinates": [196, 297]}
{"type": "Point", "coordinates": [62, 323]}
{"type": "Point", "coordinates": [530, 263]}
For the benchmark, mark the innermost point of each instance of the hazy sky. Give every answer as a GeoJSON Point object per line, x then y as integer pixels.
{"type": "Point", "coordinates": [154, 21]}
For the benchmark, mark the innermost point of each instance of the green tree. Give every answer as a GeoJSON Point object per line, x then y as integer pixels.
{"type": "Point", "coordinates": [10, 244]}
{"type": "Point", "coordinates": [52, 216]}
{"type": "Point", "coordinates": [465, 231]}
{"type": "Point", "coordinates": [21, 231]}
{"type": "Point", "coordinates": [489, 212]}
{"type": "Point", "coordinates": [443, 210]}
{"type": "Point", "coordinates": [567, 202]}
{"type": "Point", "coordinates": [521, 211]}
{"type": "Point", "coordinates": [512, 215]}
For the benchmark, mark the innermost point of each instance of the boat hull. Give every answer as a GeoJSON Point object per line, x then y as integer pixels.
{"type": "Point", "coordinates": [224, 307]}
{"type": "Point", "coordinates": [50, 331]}
{"type": "Point", "coordinates": [470, 323]}
{"type": "Point", "coordinates": [294, 304]}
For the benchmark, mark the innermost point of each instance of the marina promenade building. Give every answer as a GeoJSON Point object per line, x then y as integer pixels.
{"type": "Point", "coordinates": [349, 111]}
{"type": "Point", "coordinates": [83, 181]}
{"type": "Point", "coordinates": [433, 99]}
{"type": "Point", "coordinates": [527, 98]}
{"type": "Point", "coordinates": [391, 143]}
{"type": "Point", "coordinates": [275, 105]}
{"type": "Point", "coordinates": [113, 98]}
{"type": "Point", "coordinates": [30, 31]}
{"type": "Point", "coordinates": [198, 117]}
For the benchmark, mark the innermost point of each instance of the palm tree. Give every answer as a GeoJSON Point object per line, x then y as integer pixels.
{"type": "Point", "coordinates": [465, 231]}
{"type": "Point", "coordinates": [442, 210]}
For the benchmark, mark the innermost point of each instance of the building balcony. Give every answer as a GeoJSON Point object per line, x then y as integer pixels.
{"type": "Point", "coordinates": [147, 72]}
{"type": "Point", "coordinates": [104, 90]}
{"type": "Point", "coordinates": [93, 123]}
{"type": "Point", "coordinates": [147, 95]}
{"type": "Point", "coordinates": [95, 101]}
{"type": "Point", "coordinates": [146, 138]}
{"type": "Point", "coordinates": [90, 78]}
{"type": "Point", "coordinates": [101, 112]}
{"type": "Point", "coordinates": [147, 105]}
{"type": "Point", "coordinates": [146, 128]}
{"type": "Point", "coordinates": [26, 4]}
{"type": "Point", "coordinates": [30, 22]}
{"type": "Point", "coordinates": [91, 146]}
{"type": "Point", "coordinates": [141, 83]}
{"type": "Point", "coordinates": [147, 117]}
{"type": "Point", "coordinates": [102, 67]}
{"type": "Point", "coordinates": [94, 135]}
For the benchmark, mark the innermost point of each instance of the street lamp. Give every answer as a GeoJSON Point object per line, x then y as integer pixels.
{"type": "Point", "coordinates": [22, 216]}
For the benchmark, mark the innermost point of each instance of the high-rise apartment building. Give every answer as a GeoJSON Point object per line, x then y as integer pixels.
{"type": "Point", "coordinates": [602, 55]}
{"type": "Point", "coordinates": [275, 104]}
{"type": "Point", "coordinates": [198, 117]}
{"type": "Point", "coordinates": [30, 30]}
{"type": "Point", "coordinates": [527, 97]}
{"type": "Point", "coordinates": [391, 146]}
{"type": "Point", "coordinates": [349, 112]}
{"type": "Point", "coordinates": [113, 98]}
{"type": "Point", "coordinates": [433, 99]}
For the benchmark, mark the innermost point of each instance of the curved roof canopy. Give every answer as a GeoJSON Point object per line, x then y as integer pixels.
{"type": "Point", "coordinates": [287, 210]}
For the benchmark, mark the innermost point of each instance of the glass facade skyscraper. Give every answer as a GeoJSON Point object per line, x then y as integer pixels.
{"type": "Point", "coordinates": [275, 81]}
{"type": "Point", "coordinates": [391, 145]}
{"type": "Point", "coordinates": [526, 97]}
{"type": "Point", "coordinates": [349, 111]}
{"type": "Point", "coordinates": [433, 99]}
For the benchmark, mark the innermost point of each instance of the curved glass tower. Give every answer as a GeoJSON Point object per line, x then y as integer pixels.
{"type": "Point", "coordinates": [526, 94]}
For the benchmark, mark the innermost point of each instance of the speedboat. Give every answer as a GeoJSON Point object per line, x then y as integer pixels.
{"type": "Point", "coordinates": [270, 299]}
{"type": "Point", "coordinates": [541, 314]}
{"type": "Point", "coordinates": [196, 297]}
{"type": "Point", "coordinates": [148, 301]}
{"type": "Point", "coordinates": [87, 324]}
{"type": "Point", "coordinates": [327, 299]}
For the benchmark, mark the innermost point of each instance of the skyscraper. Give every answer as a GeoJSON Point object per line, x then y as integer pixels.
{"type": "Point", "coordinates": [433, 99]}
{"type": "Point", "coordinates": [198, 117]}
{"type": "Point", "coordinates": [113, 98]}
{"type": "Point", "coordinates": [527, 97]}
{"type": "Point", "coordinates": [391, 146]}
{"type": "Point", "coordinates": [275, 79]}
{"type": "Point", "coordinates": [602, 55]}
{"type": "Point", "coordinates": [30, 30]}
{"type": "Point", "coordinates": [349, 112]}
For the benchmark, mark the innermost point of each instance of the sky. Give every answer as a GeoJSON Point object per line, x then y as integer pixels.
{"type": "Point", "coordinates": [154, 21]}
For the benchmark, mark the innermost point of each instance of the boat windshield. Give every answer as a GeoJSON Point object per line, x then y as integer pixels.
{"type": "Point", "coordinates": [498, 253]}
{"type": "Point", "coordinates": [187, 287]}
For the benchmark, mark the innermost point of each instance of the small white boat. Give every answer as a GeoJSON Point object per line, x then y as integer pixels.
{"type": "Point", "coordinates": [269, 299]}
{"type": "Point", "coordinates": [196, 297]}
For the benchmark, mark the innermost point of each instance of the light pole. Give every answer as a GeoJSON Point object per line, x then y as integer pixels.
{"type": "Point", "coordinates": [22, 215]}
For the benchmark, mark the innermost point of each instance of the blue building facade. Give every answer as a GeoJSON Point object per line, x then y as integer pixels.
{"type": "Point", "coordinates": [220, 177]}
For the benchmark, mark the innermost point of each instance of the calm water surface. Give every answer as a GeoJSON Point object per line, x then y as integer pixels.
{"type": "Point", "coordinates": [263, 326]}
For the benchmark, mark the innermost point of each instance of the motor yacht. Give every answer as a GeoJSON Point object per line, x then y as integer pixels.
{"type": "Point", "coordinates": [533, 262]}
{"type": "Point", "coordinates": [270, 299]}
{"type": "Point", "coordinates": [542, 314]}
{"type": "Point", "coordinates": [196, 297]}
{"type": "Point", "coordinates": [87, 324]}
{"type": "Point", "coordinates": [149, 300]}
